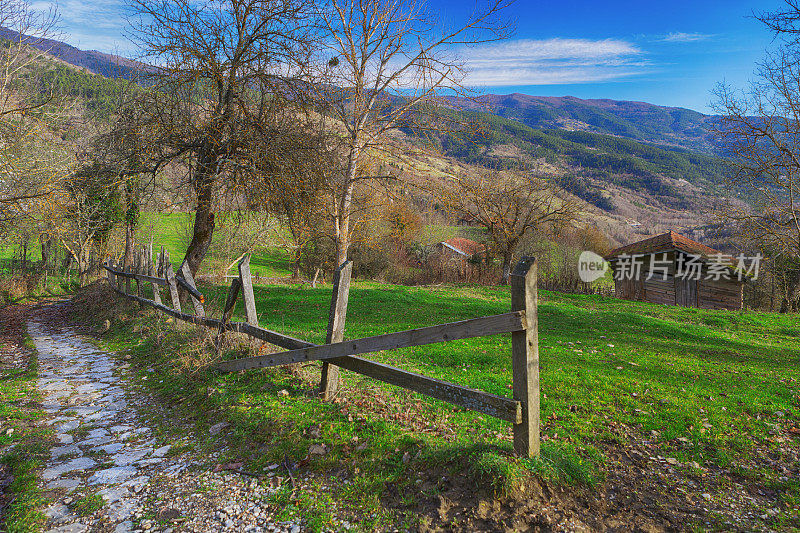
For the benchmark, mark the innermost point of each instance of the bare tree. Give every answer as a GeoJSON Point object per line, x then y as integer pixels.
{"type": "Point", "coordinates": [291, 163]}
{"type": "Point", "coordinates": [381, 64]}
{"type": "Point", "coordinates": [218, 66]}
{"type": "Point", "coordinates": [30, 169]}
{"type": "Point", "coordinates": [510, 205]}
{"type": "Point", "coordinates": [760, 133]}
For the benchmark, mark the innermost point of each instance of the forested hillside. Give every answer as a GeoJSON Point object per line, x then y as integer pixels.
{"type": "Point", "coordinates": [589, 162]}
{"type": "Point", "coordinates": [634, 120]}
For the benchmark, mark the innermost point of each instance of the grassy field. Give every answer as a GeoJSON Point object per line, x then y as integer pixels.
{"type": "Point", "coordinates": [705, 388]}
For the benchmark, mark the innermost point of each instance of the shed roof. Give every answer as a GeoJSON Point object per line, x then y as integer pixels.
{"type": "Point", "coordinates": [662, 243]}
{"type": "Point", "coordinates": [464, 246]}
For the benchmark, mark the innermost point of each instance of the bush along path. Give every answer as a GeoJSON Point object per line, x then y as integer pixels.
{"type": "Point", "coordinates": [107, 471]}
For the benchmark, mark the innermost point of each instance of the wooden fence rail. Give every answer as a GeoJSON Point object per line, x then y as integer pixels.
{"type": "Point", "coordinates": [522, 410]}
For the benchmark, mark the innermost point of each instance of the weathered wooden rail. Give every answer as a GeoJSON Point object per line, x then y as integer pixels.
{"type": "Point", "coordinates": [522, 410]}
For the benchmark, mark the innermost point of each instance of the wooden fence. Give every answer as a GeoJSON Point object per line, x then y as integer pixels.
{"type": "Point", "coordinates": [522, 410]}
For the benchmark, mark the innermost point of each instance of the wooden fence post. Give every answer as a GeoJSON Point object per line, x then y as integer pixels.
{"type": "Point", "coordinates": [120, 280]}
{"type": "Point", "coordinates": [247, 291]}
{"type": "Point", "coordinates": [139, 270]}
{"type": "Point", "coordinates": [109, 274]}
{"type": "Point", "coordinates": [230, 304]}
{"type": "Point", "coordinates": [169, 275]}
{"type": "Point", "coordinates": [186, 273]}
{"type": "Point", "coordinates": [329, 385]}
{"type": "Point", "coordinates": [128, 268]}
{"type": "Point", "coordinates": [153, 272]}
{"type": "Point", "coordinates": [525, 357]}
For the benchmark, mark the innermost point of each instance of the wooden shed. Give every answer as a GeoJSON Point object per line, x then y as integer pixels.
{"type": "Point", "coordinates": [675, 270]}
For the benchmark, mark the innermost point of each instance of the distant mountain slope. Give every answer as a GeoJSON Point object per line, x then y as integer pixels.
{"type": "Point", "coordinates": [640, 121]}
{"type": "Point", "coordinates": [97, 62]}
{"type": "Point", "coordinates": [658, 171]}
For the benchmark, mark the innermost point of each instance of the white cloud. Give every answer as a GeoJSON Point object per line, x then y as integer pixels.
{"type": "Point", "coordinates": [552, 62]}
{"type": "Point", "coordinates": [90, 24]}
{"type": "Point", "coordinates": [682, 37]}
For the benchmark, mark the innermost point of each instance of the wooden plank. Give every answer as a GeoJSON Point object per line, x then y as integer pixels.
{"type": "Point", "coordinates": [525, 357]}
{"type": "Point", "coordinates": [230, 301]}
{"type": "Point", "coordinates": [133, 275]}
{"type": "Point", "coordinates": [497, 406]}
{"type": "Point", "coordinates": [272, 337]}
{"type": "Point", "coordinates": [227, 312]}
{"type": "Point", "coordinates": [247, 291]}
{"type": "Point", "coordinates": [173, 286]}
{"type": "Point", "coordinates": [199, 320]}
{"type": "Point", "coordinates": [194, 294]}
{"type": "Point", "coordinates": [465, 329]}
{"type": "Point", "coordinates": [329, 384]}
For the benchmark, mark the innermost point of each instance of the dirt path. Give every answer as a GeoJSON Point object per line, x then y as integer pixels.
{"type": "Point", "coordinates": [104, 450]}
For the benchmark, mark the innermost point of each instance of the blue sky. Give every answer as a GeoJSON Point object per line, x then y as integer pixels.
{"type": "Point", "coordinates": [668, 53]}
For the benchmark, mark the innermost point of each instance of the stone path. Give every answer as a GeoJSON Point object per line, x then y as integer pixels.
{"type": "Point", "coordinates": [103, 448]}
{"type": "Point", "coordinates": [100, 448]}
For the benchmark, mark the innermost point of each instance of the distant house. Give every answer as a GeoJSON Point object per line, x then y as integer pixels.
{"type": "Point", "coordinates": [457, 259]}
{"type": "Point", "coordinates": [675, 270]}
{"type": "Point", "coordinates": [460, 249]}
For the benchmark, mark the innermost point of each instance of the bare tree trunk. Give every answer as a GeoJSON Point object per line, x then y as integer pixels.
{"type": "Point", "coordinates": [127, 260]}
{"type": "Point", "coordinates": [47, 248]}
{"type": "Point", "coordinates": [343, 212]}
{"type": "Point", "coordinates": [506, 268]}
{"type": "Point", "coordinates": [296, 263]}
{"type": "Point", "coordinates": [83, 268]}
{"type": "Point", "coordinates": [203, 225]}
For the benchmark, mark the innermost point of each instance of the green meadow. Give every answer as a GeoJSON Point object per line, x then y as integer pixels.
{"type": "Point", "coordinates": [704, 387]}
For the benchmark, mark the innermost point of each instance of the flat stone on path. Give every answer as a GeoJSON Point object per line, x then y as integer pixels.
{"type": "Point", "coordinates": [61, 451]}
{"type": "Point", "coordinates": [161, 452]}
{"type": "Point", "coordinates": [114, 494]}
{"type": "Point", "coordinates": [81, 463]}
{"type": "Point", "coordinates": [128, 457]}
{"type": "Point", "coordinates": [116, 474]}
{"type": "Point", "coordinates": [56, 512]}
{"type": "Point", "coordinates": [124, 527]}
{"type": "Point", "coordinates": [109, 448]}
{"type": "Point", "coordinates": [64, 483]}
{"type": "Point", "coordinates": [69, 528]}
{"type": "Point", "coordinates": [121, 510]}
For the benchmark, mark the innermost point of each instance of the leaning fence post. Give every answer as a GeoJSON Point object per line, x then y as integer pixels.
{"type": "Point", "coordinates": [525, 357]}
{"type": "Point", "coordinates": [227, 312]}
{"type": "Point", "coordinates": [247, 291]}
{"type": "Point", "coordinates": [169, 275]}
{"type": "Point", "coordinates": [329, 385]}
{"type": "Point", "coordinates": [186, 273]}
{"type": "Point", "coordinates": [109, 274]}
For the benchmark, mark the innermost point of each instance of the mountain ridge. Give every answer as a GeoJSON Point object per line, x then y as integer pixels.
{"type": "Point", "coordinates": [109, 65]}
{"type": "Point", "coordinates": [637, 120]}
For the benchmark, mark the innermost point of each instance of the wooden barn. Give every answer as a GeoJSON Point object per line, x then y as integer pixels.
{"type": "Point", "coordinates": [675, 270]}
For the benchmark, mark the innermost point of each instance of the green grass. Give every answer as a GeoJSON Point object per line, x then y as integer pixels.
{"type": "Point", "coordinates": [170, 230]}
{"type": "Point", "coordinates": [31, 446]}
{"type": "Point", "coordinates": [88, 505]}
{"type": "Point", "coordinates": [716, 380]}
